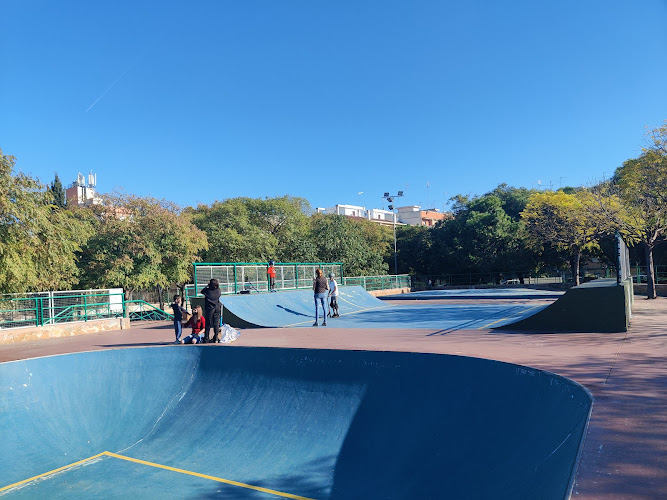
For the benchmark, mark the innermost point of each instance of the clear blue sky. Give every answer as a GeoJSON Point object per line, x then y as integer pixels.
{"type": "Point", "coordinates": [206, 100]}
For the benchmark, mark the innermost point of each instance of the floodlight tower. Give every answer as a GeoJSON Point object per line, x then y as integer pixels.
{"type": "Point", "coordinates": [390, 199]}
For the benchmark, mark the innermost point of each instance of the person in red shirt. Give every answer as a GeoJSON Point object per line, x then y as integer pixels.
{"type": "Point", "coordinates": [197, 322]}
{"type": "Point", "coordinates": [271, 271]}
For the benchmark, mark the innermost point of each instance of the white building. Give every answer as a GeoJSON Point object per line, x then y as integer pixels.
{"type": "Point", "coordinates": [415, 216]}
{"type": "Point", "coordinates": [411, 215]}
{"type": "Point", "coordinates": [81, 193]}
{"type": "Point", "coordinates": [374, 214]}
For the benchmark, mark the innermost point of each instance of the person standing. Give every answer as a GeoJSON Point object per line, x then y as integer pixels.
{"type": "Point", "coordinates": [320, 287]}
{"type": "Point", "coordinates": [271, 271]}
{"type": "Point", "coordinates": [333, 296]}
{"type": "Point", "coordinates": [212, 310]}
{"type": "Point", "coordinates": [178, 317]}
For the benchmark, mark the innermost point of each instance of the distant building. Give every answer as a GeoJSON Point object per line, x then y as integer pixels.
{"type": "Point", "coordinates": [411, 215]}
{"type": "Point", "coordinates": [415, 216]}
{"type": "Point", "coordinates": [384, 217]}
{"type": "Point", "coordinates": [81, 193]}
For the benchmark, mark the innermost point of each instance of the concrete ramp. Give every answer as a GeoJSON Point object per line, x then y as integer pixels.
{"type": "Point", "coordinates": [288, 308]}
{"type": "Point", "coordinates": [600, 305]}
{"type": "Point", "coordinates": [240, 422]}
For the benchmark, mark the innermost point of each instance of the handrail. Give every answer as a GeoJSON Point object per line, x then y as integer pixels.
{"type": "Point", "coordinates": [152, 310]}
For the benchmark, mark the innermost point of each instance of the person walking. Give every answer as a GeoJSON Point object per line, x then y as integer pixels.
{"type": "Point", "coordinates": [320, 287]}
{"type": "Point", "coordinates": [333, 296]}
{"type": "Point", "coordinates": [212, 310]}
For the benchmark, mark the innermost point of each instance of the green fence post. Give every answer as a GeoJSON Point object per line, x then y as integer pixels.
{"type": "Point", "coordinates": [37, 308]}
{"type": "Point", "coordinates": [296, 276]}
{"type": "Point", "coordinates": [85, 308]}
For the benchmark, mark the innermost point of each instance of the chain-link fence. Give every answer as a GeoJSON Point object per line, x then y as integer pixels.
{"type": "Point", "coordinates": [49, 308]}
{"type": "Point", "coordinates": [371, 283]}
{"type": "Point", "coordinates": [253, 276]}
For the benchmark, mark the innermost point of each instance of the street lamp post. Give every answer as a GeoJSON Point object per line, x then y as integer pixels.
{"type": "Point", "coordinates": [390, 199]}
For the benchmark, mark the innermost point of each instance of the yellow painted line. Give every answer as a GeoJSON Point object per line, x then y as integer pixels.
{"type": "Point", "coordinates": [53, 471]}
{"type": "Point", "coordinates": [205, 476]}
{"type": "Point", "coordinates": [507, 317]}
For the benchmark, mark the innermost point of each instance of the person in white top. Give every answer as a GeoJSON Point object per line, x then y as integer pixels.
{"type": "Point", "coordinates": [333, 296]}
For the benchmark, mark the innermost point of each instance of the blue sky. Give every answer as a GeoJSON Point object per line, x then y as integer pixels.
{"type": "Point", "coordinates": [206, 100]}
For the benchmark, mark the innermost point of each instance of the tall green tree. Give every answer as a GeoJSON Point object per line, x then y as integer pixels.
{"type": "Point", "coordinates": [337, 238]}
{"type": "Point", "coordinates": [483, 237]}
{"type": "Point", "coordinates": [256, 230]}
{"type": "Point", "coordinates": [140, 243]}
{"type": "Point", "coordinates": [58, 193]}
{"type": "Point", "coordinates": [567, 221]}
{"type": "Point", "coordinates": [636, 200]}
{"type": "Point", "coordinates": [414, 244]}
{"type": "Point", "coordinates": [38, 241]}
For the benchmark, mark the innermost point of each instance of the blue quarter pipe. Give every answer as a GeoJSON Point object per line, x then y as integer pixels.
{"type": "Point", "coordinates": [289, 308]}
{"type": "Point", "coordinates": [209, 421]}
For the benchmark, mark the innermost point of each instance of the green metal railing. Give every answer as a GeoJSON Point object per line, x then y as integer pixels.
{"type": "Point", "coordinates": [140, 310]}
{"type": "Point", "coordinates": [236, 277]}
{"type": "Point", "coordinates": [370, 283]}
{"type": "Point", "coordinates": [378, 282]}
{"type": "Point", "coordinates": [50, 308]}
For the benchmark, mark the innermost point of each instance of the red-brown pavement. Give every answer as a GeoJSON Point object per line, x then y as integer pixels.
{"type": "Point", "coordinates": [625, 453]}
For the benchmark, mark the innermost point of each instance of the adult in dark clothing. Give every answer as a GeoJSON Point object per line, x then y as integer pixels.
{"type": "Point", "coordinates": [212, 310]}
{"type": "Point", "coordinates": [178, 317]}
{"type": "Point", "coordinates": [320, 287]}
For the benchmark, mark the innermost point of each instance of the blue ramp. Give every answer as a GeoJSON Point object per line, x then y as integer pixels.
{"type": "Point", "coordinates": [293, 308]}
{"type": "Point", "coordinates": [242, 422]}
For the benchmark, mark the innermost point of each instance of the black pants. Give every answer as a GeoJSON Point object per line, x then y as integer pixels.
{"type": "Point", "coordinates": [212, 318]}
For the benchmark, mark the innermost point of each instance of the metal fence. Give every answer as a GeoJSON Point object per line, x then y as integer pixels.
{"type": "Point", "coordinates": [378, 282]}
{"type": "Point", "coordinates": [252, 276]}
{"type": "Point", "coordinates": [639, 274]}
{"type": "Point", "coordinates": [50, 308]}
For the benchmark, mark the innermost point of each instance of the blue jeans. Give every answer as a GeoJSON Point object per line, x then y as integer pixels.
{"type": "Point", "coordinates": [322, 297]}
{"type": "Point", "coordinates": [178, 327]}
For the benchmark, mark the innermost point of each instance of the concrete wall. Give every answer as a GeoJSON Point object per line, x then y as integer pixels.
{"type": "Point", "coordinates": [390, 291]}
{"type": "Point", "coordinates": [660, 290]}
{"type": "Point", "coordinates": [14, 335]}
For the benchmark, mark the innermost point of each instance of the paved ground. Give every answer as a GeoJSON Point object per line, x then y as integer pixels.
{"type": "Point", "coordinates": [625, 454]}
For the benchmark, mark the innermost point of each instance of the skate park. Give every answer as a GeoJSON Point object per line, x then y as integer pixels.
{"type": "Point", "coordinates": [416, 395]}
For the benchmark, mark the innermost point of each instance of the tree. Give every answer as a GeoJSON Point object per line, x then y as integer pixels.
{"type": "Point", "coordinates": [566, 221]}
{"type": "Point", "coordinates": [140, 243]}
{"type": "Point", "coordinates": [256, 230]}
{"type": "Point", "coordinates": [38, 241]}
{"type": "Point", "coordinates": [337, 238]}
{"type": "Point", "coordinates": [58, 193]}
{"type": "Point", "coordinates": [636, 200]}
{"type": "Point", "coordinates": [414, 245]}
{"type": "Point", "coordinates": [483, 237]}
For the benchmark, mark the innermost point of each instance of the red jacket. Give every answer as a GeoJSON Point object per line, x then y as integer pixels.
{"type": "Point", "coordinates": [196, 327]}
{"type": "Point", "coordinates": [272, 272]}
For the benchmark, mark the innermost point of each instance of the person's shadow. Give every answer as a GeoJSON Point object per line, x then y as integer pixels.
{"type": "Point", "coordinates": [293, 312]}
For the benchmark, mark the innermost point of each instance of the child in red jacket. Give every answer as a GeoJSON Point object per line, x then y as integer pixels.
{"type": "Point", "coordinates": [197, 322]}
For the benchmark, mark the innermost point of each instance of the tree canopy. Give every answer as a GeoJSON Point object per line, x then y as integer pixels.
{"type": "Point", "coordinates": [38, 240]}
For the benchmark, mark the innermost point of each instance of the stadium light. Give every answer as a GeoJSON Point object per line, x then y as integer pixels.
{"type": "Point", "coordinates": [390, 199]}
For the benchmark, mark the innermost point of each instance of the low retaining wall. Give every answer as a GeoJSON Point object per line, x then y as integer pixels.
{"type": "Point", "coordinates": [640, 289]}
{"type": "Point", "coordinates": [14, 335]}
{"type": "Point", "coordinates": [389, 291]}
